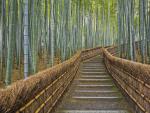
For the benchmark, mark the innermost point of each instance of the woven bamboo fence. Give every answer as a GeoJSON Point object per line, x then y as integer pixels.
{"type": "Point", "coordinates": [40, 92]}
{"type": "Point", "coordinates": [133, 78]}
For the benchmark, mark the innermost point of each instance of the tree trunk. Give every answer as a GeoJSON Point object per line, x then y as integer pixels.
{"type": "Point", "coordinates": [26, 40]}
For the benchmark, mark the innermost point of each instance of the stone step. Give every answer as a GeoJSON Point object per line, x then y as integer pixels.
{"type": "Point", "coordinates": [89, 85]}
{"type": "Point", "coordinates": [93, 61]}
{"type": "Point", "coordinates": [90, 69]}
{"type": "Point", "coordinates": [92, 64]}
{"type": "Point", "coordinates": [87, 65]}
{"type": "Point", "coordinates": [97, 94]}
{"type": "Point", "coordinates": [102, 88]}
{"type": "Point", "coordinates": [93, 111]}
{"type": "Point", "coordinates": [93, 67]}
{"type": "Point", "coordinates": [102, 98]}
{"type": "Point", "coordinates": [95, 80]}
{"type": "Point", "coordinates": [96, 77]}
{"type": "Point", "coordinates": [83, 104]}
{"type": "Point", "coordinates": [94, 73]}
{"type": "Point", "coordinates": [93, 83]}
{"type": "Point", "coordinates": [96, 91]}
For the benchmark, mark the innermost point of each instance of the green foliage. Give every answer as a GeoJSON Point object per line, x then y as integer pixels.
{"type": "Point", "coordinates": [72, 25]}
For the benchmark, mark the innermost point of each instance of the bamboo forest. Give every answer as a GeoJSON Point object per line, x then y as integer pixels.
{"type": "Point", "coordinates": [47, 32]}
{"type": "Point", "coordinates": [55, 29]}
{"type": "Point", "coordinates": [43, 40]}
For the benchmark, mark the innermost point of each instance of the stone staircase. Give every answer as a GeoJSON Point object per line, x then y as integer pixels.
{"type": "Point", "coordinates": [93, 91]}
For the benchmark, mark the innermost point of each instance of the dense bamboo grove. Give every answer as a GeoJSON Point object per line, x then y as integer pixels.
{"type": "Point", "coordinates": [133, 29]}
{"type": "Point", "coordinates": [37, 34]}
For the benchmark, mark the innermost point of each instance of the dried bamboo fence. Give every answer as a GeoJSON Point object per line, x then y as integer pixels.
{"type": "Point", "coordinates": [40, 93]}
{"type": "Point", "coordinates": [133, 78]}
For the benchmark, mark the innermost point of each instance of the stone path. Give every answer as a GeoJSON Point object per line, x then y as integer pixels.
{"type": "Point", "coordinates": [93, 91]}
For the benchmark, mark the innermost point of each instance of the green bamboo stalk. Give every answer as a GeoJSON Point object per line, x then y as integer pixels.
{"type": "Point", "coordinates": [26, 40]}
{"type": "Point", "coordinates": [9, 67]}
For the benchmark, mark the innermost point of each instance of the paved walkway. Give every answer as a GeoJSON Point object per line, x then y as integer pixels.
{"type": "Point", "coordinates": [93, 91]}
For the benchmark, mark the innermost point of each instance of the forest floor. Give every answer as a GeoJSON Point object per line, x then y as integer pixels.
{"type": "Point", "coordinates": [17, 74]}
{"type": "Point", "coordinates": [138, 57]}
